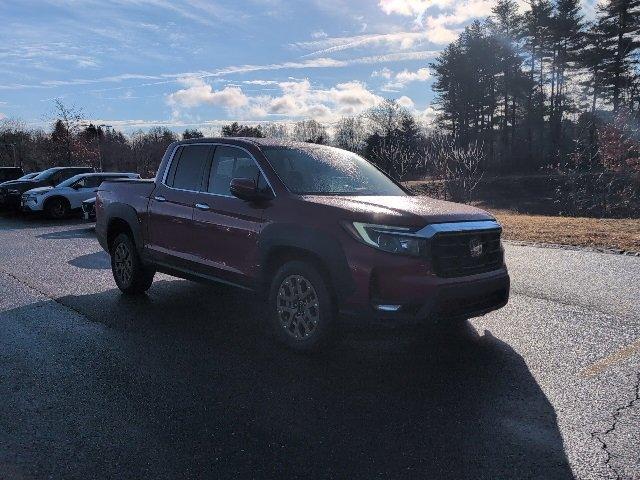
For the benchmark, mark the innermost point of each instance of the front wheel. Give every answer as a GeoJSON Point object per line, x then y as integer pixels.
{"type": "Point", "coordinates": [130, 274]}
{"type": "Point", "coordinates": [57, 208]}
{"type": "Point", "coordinates": [301, 308]}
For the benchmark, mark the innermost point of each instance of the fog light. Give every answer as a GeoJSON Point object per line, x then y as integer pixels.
{"type": "Point", "coordinates": [387, 308]}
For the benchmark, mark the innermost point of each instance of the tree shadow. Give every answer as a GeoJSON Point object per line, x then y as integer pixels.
{"type": "Point", "coordinates": [184, 383]}
{"type": "Point", "coordinates": [85, 232]}
{"type": "Point", "coordinates": [22, 221]}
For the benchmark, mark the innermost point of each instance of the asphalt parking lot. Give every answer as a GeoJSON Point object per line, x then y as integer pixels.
{"type": "Point", "coordinates": [183, 383]}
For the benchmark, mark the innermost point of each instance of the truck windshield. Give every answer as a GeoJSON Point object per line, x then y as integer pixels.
{"type": "Point", "coordinates": [322, 170]}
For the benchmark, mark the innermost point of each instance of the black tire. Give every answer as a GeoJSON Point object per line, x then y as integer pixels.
{"type": "Point", "coordinates": [312, 326]}
{"type": "Point", "coordinates": [57, 208]}
{"type": "Point", "coordinates": [130, 274]}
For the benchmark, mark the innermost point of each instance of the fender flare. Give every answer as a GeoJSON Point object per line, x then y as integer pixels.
{"type": "Point", "coordinates": [126, 213]}
{"type": "Point", "coordinates": [318, 243]}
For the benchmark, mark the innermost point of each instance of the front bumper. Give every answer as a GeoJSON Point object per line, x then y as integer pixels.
{"type": "Point", "coordinates": [405, 289]}
{"type": "Point", "coordinates": [31, 204]}
{"type": "Point", "coordinates": [460, 300]}
{"type": "Point", "coordinates": [9, 200]}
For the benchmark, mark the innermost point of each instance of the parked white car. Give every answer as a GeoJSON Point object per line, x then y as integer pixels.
{"type": "Point", "coordinates": [60, 200]}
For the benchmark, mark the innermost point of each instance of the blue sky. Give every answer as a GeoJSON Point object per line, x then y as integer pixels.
{"type": "Point", "coordinates": [138, 63]}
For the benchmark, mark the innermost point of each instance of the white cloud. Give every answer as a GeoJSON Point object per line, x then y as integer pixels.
{"type": "Point", "coordinates": [412, 8]}
{"type": "Point", "coordinates": [297, 99]}
{"type": "Point", "coordinates": [300, 100]}
{"type": "Point", "coordinates": [400, 79]}
{"type": "Point", "coordinates": [319, 34]}
{"type": "Point", "coordinates": [384, 73]}
{"type": "Point", "coordinates": [323, 62]}
{"type": "Point", "coordinates": [405, 102]}
{"type": "Point", "coordinates": [443, 19]}
{"type": "Point", "coordinates": [200, 93]}
{"type": "Point", "coordinates": [260, 82]}
{"type": "Point", "coordinates": [427, 116]}
{"type": "Point", "coordinates": [420, 75]}
{"type": "Point", "coordinates": [401, 40]}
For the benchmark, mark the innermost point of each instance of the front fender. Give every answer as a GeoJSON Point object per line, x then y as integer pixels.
{"type": "Point", "coordinates": [319, 243]}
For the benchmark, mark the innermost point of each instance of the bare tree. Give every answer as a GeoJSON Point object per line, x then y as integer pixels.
{"type": "Point", "coordinates": [310, 131]}
{"type": "Point", "coordinates": [350, 134]}
{"type": "Point", "coordinates": [459, 167]}
{"type": "Point", "coordinates": [276, 130]}
{"type": "Point", "coordinates": [68, 120]}
{"type": "Point", "coordinates": [397, 156]}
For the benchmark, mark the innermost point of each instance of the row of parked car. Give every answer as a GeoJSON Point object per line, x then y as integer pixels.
{"type": "Point", "coordinates": [56, 192]}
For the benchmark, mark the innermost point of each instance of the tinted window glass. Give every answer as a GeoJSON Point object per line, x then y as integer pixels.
{"type": "Point", "coordinates": [60, 176]}
{"type": "Point", "coordinates": [187, 173]}
{"type": "Point", "coordinates": [324, 170]}
{"type": "Point", "coordinates": [230, 163]}
{"type": "Point", "coordinates": [93, 182]}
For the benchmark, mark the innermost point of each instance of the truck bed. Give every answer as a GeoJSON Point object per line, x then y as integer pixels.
{"type": "Point", "coordinates": [134, 193]}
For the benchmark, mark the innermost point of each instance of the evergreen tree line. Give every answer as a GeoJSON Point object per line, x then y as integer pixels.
{"type": "Point", "coordinates": [531, 85]}
{"type": "Point", "coordinates": [542, 92]}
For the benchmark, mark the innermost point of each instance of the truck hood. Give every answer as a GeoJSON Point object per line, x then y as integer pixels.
{"type": "Point", "coordinates": [400, 210]}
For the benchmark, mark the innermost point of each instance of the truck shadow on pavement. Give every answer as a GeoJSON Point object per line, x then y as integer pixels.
{"type": "Point", "coordinates": [183, 383]}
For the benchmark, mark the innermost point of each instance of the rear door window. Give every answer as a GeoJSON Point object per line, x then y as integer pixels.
{"type": "Point", "coordinates": [187, 167]}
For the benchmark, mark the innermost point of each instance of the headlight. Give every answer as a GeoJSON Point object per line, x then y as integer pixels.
{"type": "Point", "coordinates": [391, 239]}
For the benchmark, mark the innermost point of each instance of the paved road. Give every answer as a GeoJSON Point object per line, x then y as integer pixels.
{"type": "Point", "coordinates": [183, 384]}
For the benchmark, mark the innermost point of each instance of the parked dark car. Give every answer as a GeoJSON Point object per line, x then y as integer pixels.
{"type": "Point", "coordinates": [11, 192]}
{"type": "Point", "coordinates": [10, 173]}
{"type": "Point", "coordinates": [89, 209]}
{"type": "Point", "coordinates": [317, 230]}
{"type": "Point", "coordinates": [29, 176]}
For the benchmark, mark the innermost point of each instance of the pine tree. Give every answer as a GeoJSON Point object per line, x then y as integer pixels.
{"type": "Point", "coordinates": [621, 24]}
{"type": "Point", "coordinates": [567, 38]}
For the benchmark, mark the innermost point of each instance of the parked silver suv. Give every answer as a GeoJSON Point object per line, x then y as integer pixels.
{"type": "Point", "coordinates": [59, 201]}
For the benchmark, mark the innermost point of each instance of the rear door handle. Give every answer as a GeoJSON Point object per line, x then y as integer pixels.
{"type": "Point", "coordinates": [202, 206]}
{"type": "Point", "coordinates": [159, 198]}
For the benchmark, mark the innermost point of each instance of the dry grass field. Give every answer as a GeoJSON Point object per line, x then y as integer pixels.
{"type": "Point", "coordinates": [619, 234]}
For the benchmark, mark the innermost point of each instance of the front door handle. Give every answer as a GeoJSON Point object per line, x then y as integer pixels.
{"type": "Point", "coordinates": [159, 198]}
{"type": "Point", "coordinates": [202, 206]}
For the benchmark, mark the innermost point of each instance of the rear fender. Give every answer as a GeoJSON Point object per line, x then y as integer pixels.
{"type": "Point", "coordinates": [121, 211]}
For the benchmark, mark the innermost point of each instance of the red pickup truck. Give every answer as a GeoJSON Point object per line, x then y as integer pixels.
{"type": "Point", "coordinates": [319, 231]}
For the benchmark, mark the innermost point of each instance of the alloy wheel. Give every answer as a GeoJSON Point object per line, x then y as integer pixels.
{"type": "Point", "coordinates": [298, 307]}
{"type": "Point", "coordinates": [123, 263]}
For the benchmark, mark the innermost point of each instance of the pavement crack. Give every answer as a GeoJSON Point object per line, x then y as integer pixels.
{"type": "Point", "coordinates": [598, 435]}
{"type": "Point", "coordinates": [43, 293]}
{"type": "Point", "coordinates": [548, 298]}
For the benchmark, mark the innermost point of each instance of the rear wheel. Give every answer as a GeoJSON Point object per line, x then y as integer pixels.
{"type": "Point", "coordinates": [130, 274]}
{"type": "Point", "coordinates": [301, 308]}
{"type": "Point", "coordinates": [57, 208]}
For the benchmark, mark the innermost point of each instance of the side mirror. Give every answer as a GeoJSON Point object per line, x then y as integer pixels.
{"type": "Point", "coordinates": [246, 189]}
